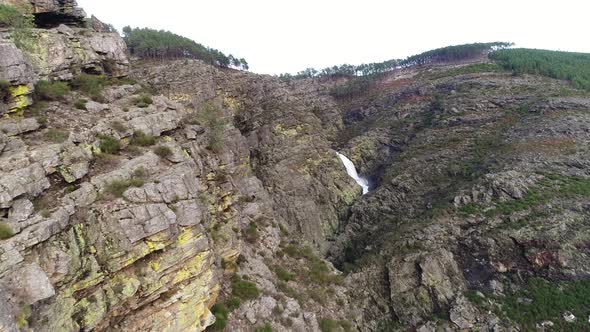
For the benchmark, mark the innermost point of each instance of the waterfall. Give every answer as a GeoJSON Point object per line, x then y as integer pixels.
{"type": "Point", "coordinates": [351, 170]}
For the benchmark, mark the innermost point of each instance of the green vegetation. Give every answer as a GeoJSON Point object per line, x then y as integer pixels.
{"type": "Point", "coordinates": [22, 24]}
{"type": "Point", "coordinates": [329, 325]}
{"type": "Point", "coordinates": [81, 104]}
{"type": "Point", "coordinates": [554, 185]}
{"type": "Point", "coordinates": [91, 85]}
{"type": "Point", "coordinates": [346, 70]}
{"type": "Point", "coordinates": [5, 231]}
{"type": "Point", "coordinates": [550, 300]}
{"type": "Point", "coordinates": [452, 53]}
{"type": "Point", "coordinates": [251, 233]}
{"type": "Point", "coordinates": [56, 135]}
{"type": "Point", "coordinates": [109, 144]}
{"type": "Point", "coordinates": [264, 328]}
{"type": "Point", "coordinates": [119, 126]}
{"type": "Point", "coordinates": [220, 312]}
{"type": "Point", "coordinates": [233, 303]}
{"type": "Point", "coordinates": [213, 118]}
{"type": "Point", "coordinates": [45, 90]}
{"type": "Point", "coordinates": [245, 290]}
{"type": "Point", "coordinates": [440, 55]}
{"type": "Point", "coordinates": [9, 16]}
{"type": "Point", "coordinates": [163, 151]}
{"type": "Point", "coordinates": [158, 44]}
{"type": "Point", "coordinates": [143, 101]}
{"type": "Point", "coordinates": [283, 274]}
{"type": "Point", "coordinates": [317, 271]}
{"type": "Point", "coordinates": [142, 139]}
{"type": "Point", "coordinates": [463, 70]}
{"type": "Point", "coordinates": [574, 67]}
{"type": "Point", "coordinates": [355, 87]}
{"type": "Point", "coordinates": [118, 187]}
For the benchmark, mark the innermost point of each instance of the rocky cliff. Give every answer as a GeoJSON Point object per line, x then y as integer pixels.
{"type": "Point", "coordinates": [188, 197]}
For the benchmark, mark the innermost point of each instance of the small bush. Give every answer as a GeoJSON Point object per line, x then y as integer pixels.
{"type": "Point", "coordinates": [119, 126]}
{"type": "Point", "coordinates": [38, 111]}
{"type": "Point", "coordinates": [140, 173]}
{"type": "Point", "coordinates": [91, 85]}
{"type": "Point", "coordinates": [22, 24]}
{"type": "Point", "coordinates": [213, 118]}
{"type": "Point", "coordinates": [45, 90]}
{"type": "Point", "coordinates": [220, 312]}
{"type": "Point", "coordinates": [163, 151]}
{"type": "Point", "coordinates": [283, 274]}
{"type": "Point", "coordinates": [143, 101]}
{"type": "Point", "coordinates": [109, 144]}
{"type": "Point", "coordinates": [233, 303]}
{"type": "Point", "coordinates": [5, 231]}
{"type": "Point", "coordinates": [245, 290]}
{"type": "Point", "coordinates": [264, 328]}
{"type": "Point", "coordinates": [118, 187]}
{"type": "Point", "coordinates": [81, 104]}
{"type": "Point", "coordinates": [56, 135]}
{"type": "Point", "coordinates": [251, 233]}
{"type": "Point", "coordinates": [328, 325]}
{"type": "Point", "coordinates": [141, 139]}
{"type": "Point", "coordinates": [9, 16]}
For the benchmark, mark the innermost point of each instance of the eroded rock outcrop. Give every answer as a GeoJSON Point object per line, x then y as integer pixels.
{"type": "Point", "coordinates": [56, 51]}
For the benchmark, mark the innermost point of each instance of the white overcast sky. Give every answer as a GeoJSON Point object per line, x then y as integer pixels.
{"type": "Point", "coordinates": [287, 36]}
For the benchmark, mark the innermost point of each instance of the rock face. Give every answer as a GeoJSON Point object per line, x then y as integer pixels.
{"type": "Point", "coordinates": [51, 13]}
{"type": "Point", "coordinates": [226, 189]}
{"type": "Point", "coordinates": [57, 52]}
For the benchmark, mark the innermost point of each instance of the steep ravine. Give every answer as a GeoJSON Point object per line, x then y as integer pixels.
{"type": "Point", "coordinates": [199, 197]}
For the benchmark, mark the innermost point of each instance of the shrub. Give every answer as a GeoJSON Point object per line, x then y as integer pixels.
{"type": "Point", "coordinates": [118, 187]}
{"type": "Point", "coordinates": [56, 135]}
{"type": "Point", "coordinates": [141, 139]}
{"type": "Point", "coordinates": [220, 312]}
{"type": "Point", "coordinates": [5, 231]}
{"type": "Point", "coordinates": [45, 90]}
{"type": "Point", "coordinates": [233, 303]}
{"type": "Point", "coordinates": [119, 126]}
{"type": "Point", "coordinates": [143, 101]}
{"type": "Point", "coordinates": [283, 274]}
{"type": "Point", "coordinates": [22, 24]}
{"type": "Point", "coordinates": [213, 118]}
{"type": "Point", "coordinates": [9, 16]}
{"type": "Point", "coordinates": [81, 104]}
{"type": "Point", "coordinates": [91, 85]}
{"type": "Point", "coordinates": [328, 325]}
{"type": "Point", "coordinates": [264, 328]}
{"type": "Point", "coordinates": [109, 144]}
{"type": "Point", "coordinates": [140, 173]}
{"type": "Point", "coordinates": [245, 290]}
{"type": "Point", "coordinates": [163, 151]}
{"type": "Point", "coordinates": [251, 233]}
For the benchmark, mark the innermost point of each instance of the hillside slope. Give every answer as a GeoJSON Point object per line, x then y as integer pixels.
{"type": "Point", "coordinates": [187, 197]}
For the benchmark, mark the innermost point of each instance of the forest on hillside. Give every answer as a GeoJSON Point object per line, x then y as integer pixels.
{"type": "Point", "coordinates": [439, 55]}
{"type": "Point", "coordinates": [574, 67]}
{"type": "Point", "coordinates": [159, 44]}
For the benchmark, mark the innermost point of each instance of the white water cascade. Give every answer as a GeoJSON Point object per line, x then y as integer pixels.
{"type": "Point", "coordinates": [351, 170]}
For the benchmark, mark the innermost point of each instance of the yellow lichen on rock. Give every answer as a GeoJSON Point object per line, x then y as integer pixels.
{"type": "Point", "coordinates": [232, 104]}
{"type": "Point", "coordinates": [20, 98]}
{"type": "Point", "coordinates": [289, 133]}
